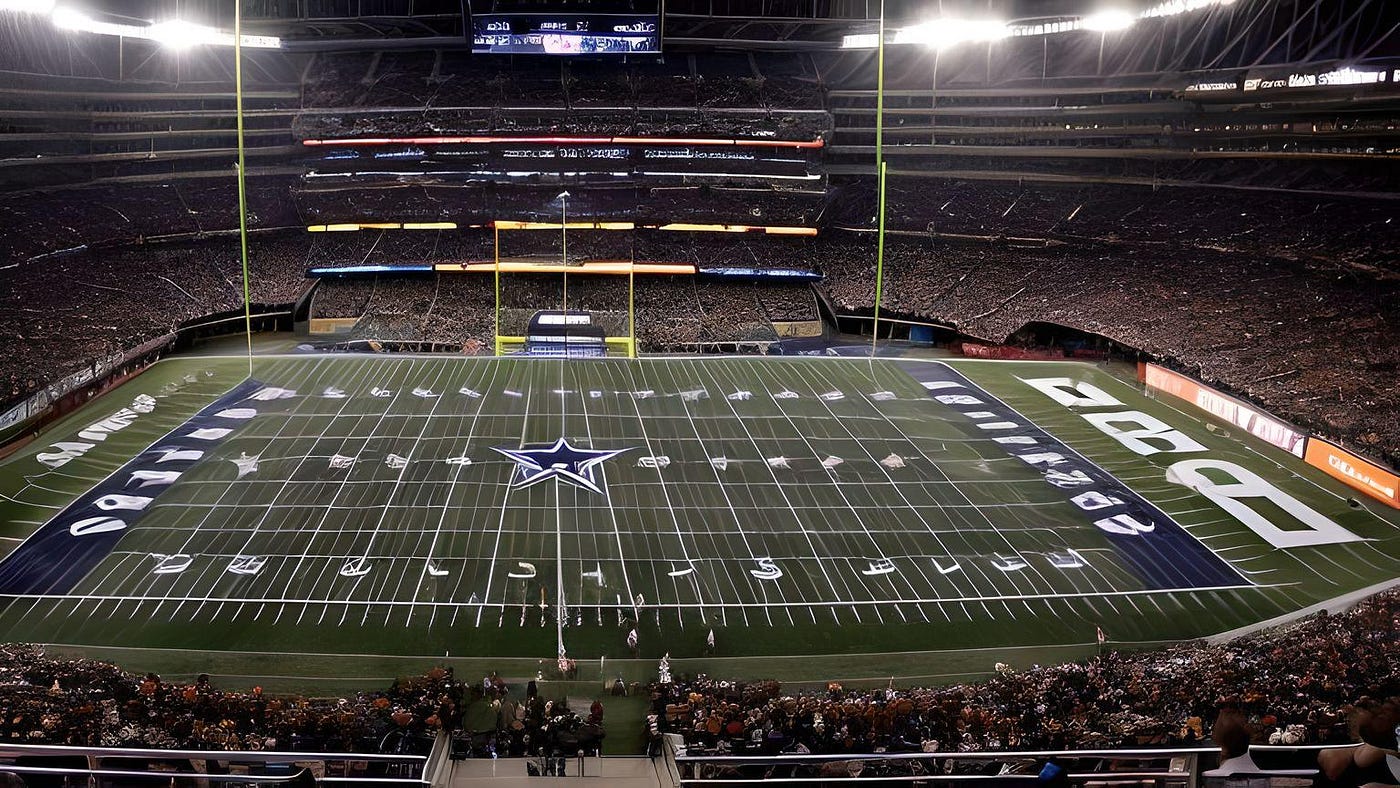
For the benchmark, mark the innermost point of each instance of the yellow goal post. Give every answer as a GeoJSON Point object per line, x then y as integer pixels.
{"type": "Point", "coordinates": [548, 260]}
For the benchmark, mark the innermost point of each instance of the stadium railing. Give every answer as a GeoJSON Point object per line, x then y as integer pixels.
{"type": "Point", "coordinates": [1139, 768]}
{"type": "Point", "coordinates": [248, 767]}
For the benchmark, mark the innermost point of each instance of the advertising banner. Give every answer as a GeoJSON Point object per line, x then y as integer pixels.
{"type": "Point", "coordinates": [14, 415]}
{"type": "Point", "coordinates": [1227, 408]}
{"type": "Point", "coordinates": [1364, 475]}
{"type": "Point", "coordinates": [1302, 79]}
{"type": "Point", "coordinates": [1010, 352]}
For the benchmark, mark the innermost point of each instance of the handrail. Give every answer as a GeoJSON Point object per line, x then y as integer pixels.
{"type": "Point", "coordinates": [1030, 778]}
{"type": "Point", "coordinates": [152, 774]}
{"type": "Point", "coordinates": [997, 755]}
{"type": "Point", "coordinates": [273, 756]}
{"type": "Point", "coordinates": [981, 755]}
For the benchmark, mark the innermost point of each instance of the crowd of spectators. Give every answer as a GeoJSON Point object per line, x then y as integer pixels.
{"type": "Point", "coordinates": [1294, 685]}
{"type": "Point", "coordinates": [83, 702]}
{"type": "Point", "coordinates": [38, 223]}
{"type": "Point", "coordinates": [474, 245]}
{"type": "Point", "coordinates": [1311, 344]}
{"type": "Point", "coordinates": [457, 310]}
{"type": "Point", "coordinates": [1330, 230]}
{"type": "Point", "coordinates": [782, 303]}
{"type": "Point", "coordinates": [1290, 302]}
{"type": "Point", "coordinates": [479, 203]}
{"type": "Point", "coordinates": [60, 314]}
{"type": "Point", "coordinates": [775, 95]}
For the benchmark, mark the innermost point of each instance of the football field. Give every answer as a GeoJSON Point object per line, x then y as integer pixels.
{"type": "Point", "coordinates": [815, 517]}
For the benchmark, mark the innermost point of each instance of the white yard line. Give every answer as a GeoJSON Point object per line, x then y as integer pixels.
{"type": "Point", "coordinates": [505, 507]}
{"type": "Point", "coordinates": [452, 486]}
{"type": "Point", "coordinates": [811, 543]}
{"type": "Point", "coordinates": [661, 479]}
{"type": "Point", "coordinates": [607, 496]}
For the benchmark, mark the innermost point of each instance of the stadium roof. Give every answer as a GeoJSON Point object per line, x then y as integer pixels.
{"type": "Point", "coordinates": [692, 24]}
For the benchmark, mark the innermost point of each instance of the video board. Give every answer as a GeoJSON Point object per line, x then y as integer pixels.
{"type": "Point", "coordinates": [570, 27]}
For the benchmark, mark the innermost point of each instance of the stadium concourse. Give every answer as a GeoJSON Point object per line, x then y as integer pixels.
{"type": "Point", "coordinates": [788, 391]}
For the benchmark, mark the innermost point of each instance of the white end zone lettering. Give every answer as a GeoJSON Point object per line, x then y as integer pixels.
{"type": "Point", "coordinates": [1147, 435]}
{"type": "Point", "coordinates": [1316, 528]}
{"type": "Point", "coordinates": [1152, 435]}
{"type": "Point", "coordinates": [1072, 394]}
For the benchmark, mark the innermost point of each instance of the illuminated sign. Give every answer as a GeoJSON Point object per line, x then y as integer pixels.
{"type": "Point", "coordinates": [586, 27]}
{"type": "Point", "coordinates": [1335, 78]}
{"type": "Point", "coordinates": [1212, 87]}
{"type": "Point", "coordinates": [358, 270]}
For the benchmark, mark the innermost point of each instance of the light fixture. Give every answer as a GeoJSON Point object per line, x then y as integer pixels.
{"type": "Point", "coordinates": [174, 33]}
{"type": "Point", "coordinates": [1174, 7]}
{"type": "Point", "coordinates": [179, 34]}
{"type": "Point", "coordinates": [27, 6]}
{"type": "Point", "coordinates": [943, 33]}
{"type": "Point", "coordinates": [1107, 20]}
{"type": "Point", "coordinates": [69, 19]}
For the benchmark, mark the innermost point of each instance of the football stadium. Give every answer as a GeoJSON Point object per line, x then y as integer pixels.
{"type": "Point", "coordinates": [641, 394]}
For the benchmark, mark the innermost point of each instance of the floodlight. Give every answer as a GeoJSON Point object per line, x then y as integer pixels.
{"type": "Point", "coordinates": [1107, 20]}
{"type": "Point", "coordinates": [1174, 7]}
{"type": "Point", "coordinates": [29, 6]}
{"type": "Point", "coordinates": [69, 19]}
{"type": "Point", "coordinates": [179, 34]}
{"type": "Point", "coordinates": [942, 33]}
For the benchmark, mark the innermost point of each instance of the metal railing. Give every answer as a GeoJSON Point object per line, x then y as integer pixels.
{"type": "Point", "coordinates": [1141, 768]}
{"type": "Point", "coordinates": [253, 766]}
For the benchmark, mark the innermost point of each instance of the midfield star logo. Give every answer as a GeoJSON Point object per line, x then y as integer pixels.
{"type": "Point", "coordinates": [568, 464]}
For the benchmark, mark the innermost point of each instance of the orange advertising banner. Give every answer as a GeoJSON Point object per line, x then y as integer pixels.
{"type": "Point", "coordinates": [1364, 475]}
{"type": "Point", "coordinates": [1254, 421]}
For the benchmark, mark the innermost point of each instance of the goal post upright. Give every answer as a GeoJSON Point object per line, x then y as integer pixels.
{"type": "Point", "coordinates": [631, 299]}
{"type": "Point", "coordinates": [506, 318]}
{"type": "Point", "coordinates": [496, 254]}
{"type": "Point", "coordinates": [879, 179]}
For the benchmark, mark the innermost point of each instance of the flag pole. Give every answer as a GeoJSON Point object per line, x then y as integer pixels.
{"type": "Point", "coordinates": [880, 176]}
{"type": "Point", "coordinates": [242, 166]}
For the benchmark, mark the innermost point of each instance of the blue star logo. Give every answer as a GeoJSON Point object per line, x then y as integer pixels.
{"type": "Point", "coordinates": [569, 464]}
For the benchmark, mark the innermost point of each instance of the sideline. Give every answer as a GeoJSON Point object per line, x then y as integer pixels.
{"type": "Point", "coordinates": [1335, 605]}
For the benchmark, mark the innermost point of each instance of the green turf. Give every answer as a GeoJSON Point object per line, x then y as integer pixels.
{"type": "Point", "coordinates": [299, 623]}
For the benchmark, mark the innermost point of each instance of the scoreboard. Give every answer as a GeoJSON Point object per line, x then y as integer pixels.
{"type": "Point", "coordinates": [565, 27]}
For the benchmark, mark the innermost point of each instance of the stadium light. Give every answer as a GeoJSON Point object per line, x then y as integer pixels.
{"type": "Point", "coordinates": [27, 6]}
{"type": "Point", "coordinates": [943, 33]}
{"type": "Point", "coordinates": [179, 34]}
{"type": "Point", "coordinates": [1107, 21]}
{"type": "Point", "coordinates": [1174, 7]}
{"type": "Point", "coordinates": [174, 33]}
{"type": "Point", "coordinates": [69, 19]}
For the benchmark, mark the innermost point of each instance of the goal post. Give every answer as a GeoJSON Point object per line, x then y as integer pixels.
{"type": "Point", "coordinates": [539, 257]}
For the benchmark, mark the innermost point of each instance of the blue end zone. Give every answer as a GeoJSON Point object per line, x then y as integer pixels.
{"type": "Point", "coordinates": [58, 555]}
{"type": "Point", "coordinates": [1157, 548]}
